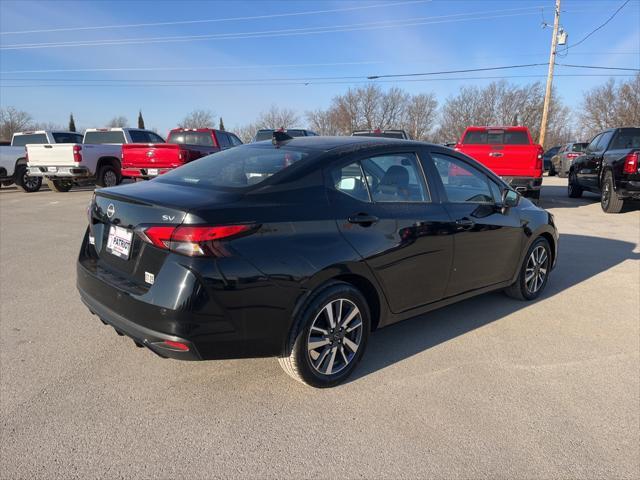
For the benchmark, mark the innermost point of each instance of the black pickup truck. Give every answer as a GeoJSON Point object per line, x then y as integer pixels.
{"type": "Point", "coordinates": [609, 167]}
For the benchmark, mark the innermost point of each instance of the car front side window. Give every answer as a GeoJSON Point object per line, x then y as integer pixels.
{"type": "Point", "coordinates": [462, 183]}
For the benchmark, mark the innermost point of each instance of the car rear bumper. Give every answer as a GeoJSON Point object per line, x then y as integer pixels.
{"type": "Point", "coordinates": [142, 336]}
{"type": "Point", "coordinates": [135, 172]}
{"type": "Point", "coordinates": [59, 171]}
{"type": "Point", "coordinates": [522, 184]}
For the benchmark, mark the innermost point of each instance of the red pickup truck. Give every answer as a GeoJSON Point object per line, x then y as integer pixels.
{"type": "Point", "coordinates": [509, 152]}
{"type": "Point", "coordinates": [147, 160]}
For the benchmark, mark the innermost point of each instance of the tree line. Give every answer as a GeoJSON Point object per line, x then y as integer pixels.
{"type": "Point", "coordinates": [421, 115]}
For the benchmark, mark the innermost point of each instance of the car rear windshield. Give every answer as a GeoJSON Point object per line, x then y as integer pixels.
{"type": "Point", "coordinates": [98, 138]}
{"type": "Point", "coordinates": [192, 138]}
{"type": "Point", "coordinates": [64, 137]}
{"type": "Point", "coordinates": [579, 147]}
{"type": "Point", "coordinates": [22, 140]}
{"type": "Point", "coordinates": [496, 137]}
{"type": "Point", "coordinates": [267, 134]}
{"type": "Point", "coordinates": [628, 138]}
{"type": "Point", "coordinates": [238, 167]}
{"type": "Point", "coordinates": [399, 135]}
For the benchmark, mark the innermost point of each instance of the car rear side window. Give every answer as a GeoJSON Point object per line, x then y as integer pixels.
{"type": "Point", "coordinates": [578, 147]}
{"type": "Point", "coordinates": [103, 137]}
{"type": "Point", "coordinates": [603, 143]}
{"type": "Point", "coordinates": [203, 139]}
{"type": "Point", "coordinates": [223, 139]}
{"type": "Point", "coordinates": [350, 179]}
{"type": "Point", "coordinates": [235, 141]}
{"type": "Point", "coordinates": [22, 140]}
{"type": "Point", "coordinates": [462, 183]}
{"type": "Point", "coordinates": [626, 139]}
{"type": "Point", "coordinates": [238, 167]}
{"type": "Point", "coordinates": [395, 178]}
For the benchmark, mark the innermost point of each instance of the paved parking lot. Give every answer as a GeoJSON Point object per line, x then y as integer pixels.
{"type": "Point", "coordinates": [490, 387]}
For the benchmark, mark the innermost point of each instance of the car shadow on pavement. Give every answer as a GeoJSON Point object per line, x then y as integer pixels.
{"type": "Point", "coordinates": [580, 258]}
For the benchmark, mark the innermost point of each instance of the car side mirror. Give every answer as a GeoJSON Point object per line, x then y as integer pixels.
{"type": "Point", "coordinates": [510, 198]}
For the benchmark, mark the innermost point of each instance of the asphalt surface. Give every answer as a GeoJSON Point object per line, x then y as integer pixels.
{"type": "Point", "coordinates": [490, 387]}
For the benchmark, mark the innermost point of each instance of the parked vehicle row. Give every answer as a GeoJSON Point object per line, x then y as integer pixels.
{"type": "Point", "coordinates": [13, 157]}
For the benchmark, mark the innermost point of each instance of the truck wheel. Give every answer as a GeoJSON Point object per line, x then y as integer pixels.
{"type": "Point", "coordinates": [108, 176]}
{"type": "Point", "coordinates": [573, 189]}
{"type": "Point", "coordinates": [25, 182]}
{"type": "Point", "coordinates": [609, 200]}
{"type": "Point", "coordinates": [59, 186]}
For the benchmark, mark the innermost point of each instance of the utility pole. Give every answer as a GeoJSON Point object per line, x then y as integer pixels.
{"type": "Point", "coordinates": [552, 61]}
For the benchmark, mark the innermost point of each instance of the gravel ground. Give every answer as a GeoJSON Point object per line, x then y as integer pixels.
{"type": "Point", "coordinates": [489, 387]}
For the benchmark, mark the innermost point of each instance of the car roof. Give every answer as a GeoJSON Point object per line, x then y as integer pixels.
{"type": "Point", "coordinates": [346, 143]}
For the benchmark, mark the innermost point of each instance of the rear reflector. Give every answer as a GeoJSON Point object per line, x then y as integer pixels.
{"type": "Point", "coordinates": [631, 163]}
{"type": "Point", "coordinates": [176, 345]}
{"type": "Point", "coordinates": [194, 241]}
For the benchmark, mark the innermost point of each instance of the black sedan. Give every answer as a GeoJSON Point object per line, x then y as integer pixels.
{"type": "Point", "coordinates": [299, 248]}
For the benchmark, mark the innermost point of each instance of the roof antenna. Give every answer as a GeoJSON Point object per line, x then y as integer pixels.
{"type": "Point", "coordinates": [280, 136]}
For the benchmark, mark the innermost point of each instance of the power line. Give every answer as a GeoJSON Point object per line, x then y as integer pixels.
{"type": "Point", "coordinates": [191, 83]}
{"type": "Point", "coordinates": [597, 28]}
{"type": "Point", "coordinates": [374, 77]}
{"type": "Point", "coordinates": [483, 15]}
{"type": "Point", "coordinates": [215, 20]}
{"type": "Point", "coordinates": [627, 69]}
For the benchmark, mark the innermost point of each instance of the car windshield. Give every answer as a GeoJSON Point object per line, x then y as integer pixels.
{"type": "Point", "coordinates": [238, 167]}
{"type": "Point", "coordinates": [399, 135]}
{"type": "Point", "coordinates": [496, 137]}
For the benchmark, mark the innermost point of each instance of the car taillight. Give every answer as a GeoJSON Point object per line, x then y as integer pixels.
{"type": "Point", "coordinates": [539, 158]}
{"type": "Point", "coordinates": [77, 153]}
{"type": "Point", "coordinates": [631, 163]}
{"type": "Point", "coordinates": [573, 155]}
{"type": "Point", "coordinates": [194, 241]}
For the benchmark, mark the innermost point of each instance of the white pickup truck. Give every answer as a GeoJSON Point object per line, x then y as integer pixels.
{"type": "Point", "coordinates": [13, 157]}
{"type": "Point", "coordinates": [97, 158]}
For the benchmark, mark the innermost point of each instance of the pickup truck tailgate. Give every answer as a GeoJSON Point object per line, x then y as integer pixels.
{"type": "Point", "coordinates": [50, 155]}
{"type": "Point", "coordinates": [506, 160]}
{"type": "Point", "coordinates": [154, 155]}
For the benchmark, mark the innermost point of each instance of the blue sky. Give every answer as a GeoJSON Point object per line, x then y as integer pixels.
{"type": "Point", "coordinates": [419, 36]}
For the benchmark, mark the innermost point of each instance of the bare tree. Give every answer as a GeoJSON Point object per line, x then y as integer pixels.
{"type": "Point", "coordinates": [198, 119]}
{"type": "Point", "coordinates": [501, 103]}
{"type": "Point", "coordinates": [118, 122]}
{"type": "Point", "coordinates": [12, 121]}
{"type": "Point", "coordinates": [611, 105]}
{"type": "Point", "coordinates": [323, 122]}
{"type": "Point", "coordinates": [278, 118]}
{"type": "Point", "coordinates": [420, 115]}
{"type": "Point", "coordinates": [246, 132]}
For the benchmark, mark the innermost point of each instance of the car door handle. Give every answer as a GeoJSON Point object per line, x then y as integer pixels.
{"type": "Point", "coordinates": [465, 223]}
{"type": "Point", "coordinates": [363, 219]}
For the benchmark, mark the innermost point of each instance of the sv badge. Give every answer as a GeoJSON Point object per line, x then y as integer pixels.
{"type": "Point", "coordinates": [168, 218]}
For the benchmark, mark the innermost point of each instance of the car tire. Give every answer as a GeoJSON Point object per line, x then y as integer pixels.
{"type": "Point", "coordinates": [552, 170]}
{"type": "Point", "coordinates": [59, 186]}
{"type": "Point", "coordinates": [573, 189]}
{"type": "Point", "coordinates": [25, 182]}
{"type": "Point", "coordinates": [339, 349]}
{"type": "Point", "coordinates": [609, 200]}
{"type": "Point", "coordinates": [108, 176]}
{"type": "Point", "coordinates": [534, 272]}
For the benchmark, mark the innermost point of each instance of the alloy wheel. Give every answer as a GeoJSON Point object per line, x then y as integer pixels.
{"type": "Point", "coordinates": [536, 270]}
{"type": "Point", "coordinates": [606, 194]}
{"type": "Point", "coordinates": [335, 336]}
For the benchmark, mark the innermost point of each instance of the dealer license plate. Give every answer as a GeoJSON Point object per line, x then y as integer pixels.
{"type": "Point", "coordinates": [119, 241]}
